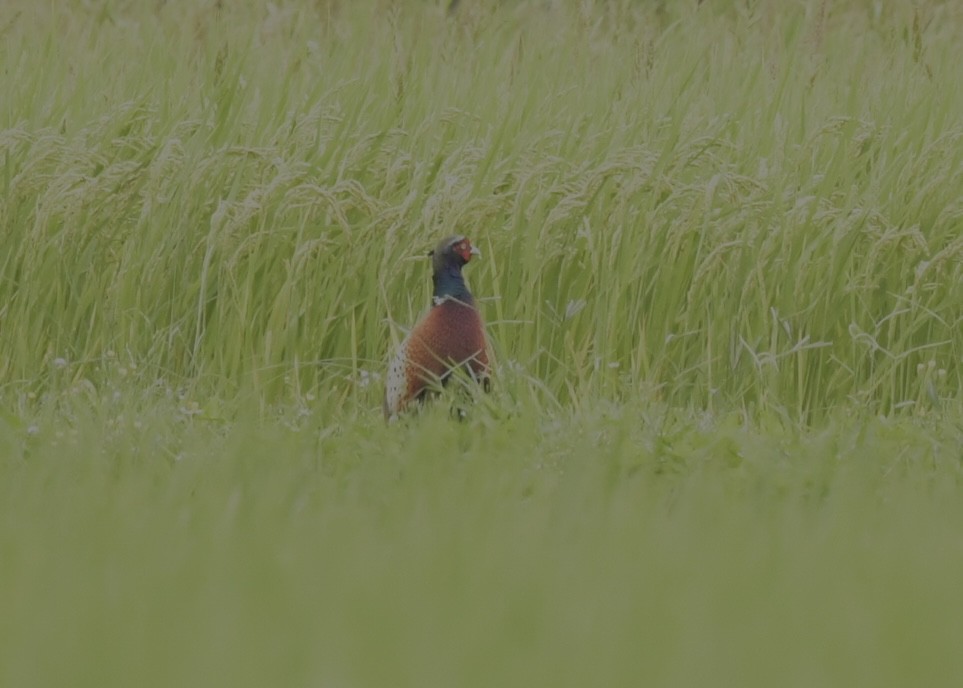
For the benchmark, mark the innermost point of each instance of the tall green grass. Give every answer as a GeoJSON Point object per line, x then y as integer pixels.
{"type": "Point", "coordinates": [723, 276]}
{"type": "Point", "coordinates": [746, 204]}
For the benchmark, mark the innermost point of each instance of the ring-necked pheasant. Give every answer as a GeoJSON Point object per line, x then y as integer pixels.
{"type": "Point", "coordinates": [451, 336]}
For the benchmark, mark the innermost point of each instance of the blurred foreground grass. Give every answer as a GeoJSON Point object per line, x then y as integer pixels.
{"type": "Point", "coordinates": [613, 546]}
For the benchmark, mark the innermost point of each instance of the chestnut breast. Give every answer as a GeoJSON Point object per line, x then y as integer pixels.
{"type": "Point", "coordinates": [451, 334]}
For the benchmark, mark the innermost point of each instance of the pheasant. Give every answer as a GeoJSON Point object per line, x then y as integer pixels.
{"type": "Point", "coordinates": [450, 337]}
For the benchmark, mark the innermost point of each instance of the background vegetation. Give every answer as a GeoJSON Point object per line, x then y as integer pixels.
{"type": "Point", "coordinates": [723, 273]}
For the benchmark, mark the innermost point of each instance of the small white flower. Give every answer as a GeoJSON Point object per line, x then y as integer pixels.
{"type": "Point", "coordinates": [60, 362]}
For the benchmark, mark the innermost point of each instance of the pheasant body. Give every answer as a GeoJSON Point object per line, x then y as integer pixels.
{"type": "Point", "coordinates": [450, 337]}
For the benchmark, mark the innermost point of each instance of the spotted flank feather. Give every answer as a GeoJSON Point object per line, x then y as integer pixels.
{"type": "Point", "coordinates": [449, 338]}
{"type": "Point", "coordinates": [397, 385]}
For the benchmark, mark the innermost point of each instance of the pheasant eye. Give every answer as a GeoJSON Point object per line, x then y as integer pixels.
{"type": "Point", "coordinates": [463, 249]}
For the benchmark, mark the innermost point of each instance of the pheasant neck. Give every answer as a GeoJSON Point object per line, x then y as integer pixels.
{"type": "Point", "coordinates": [450, 283]}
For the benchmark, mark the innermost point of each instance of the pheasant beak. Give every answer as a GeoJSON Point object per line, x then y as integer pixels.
{"type": "Point", "coordinates": [475, 251]}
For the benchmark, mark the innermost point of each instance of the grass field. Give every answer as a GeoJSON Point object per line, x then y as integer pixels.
{"type": "Point", "coordinates": [723, 276]}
